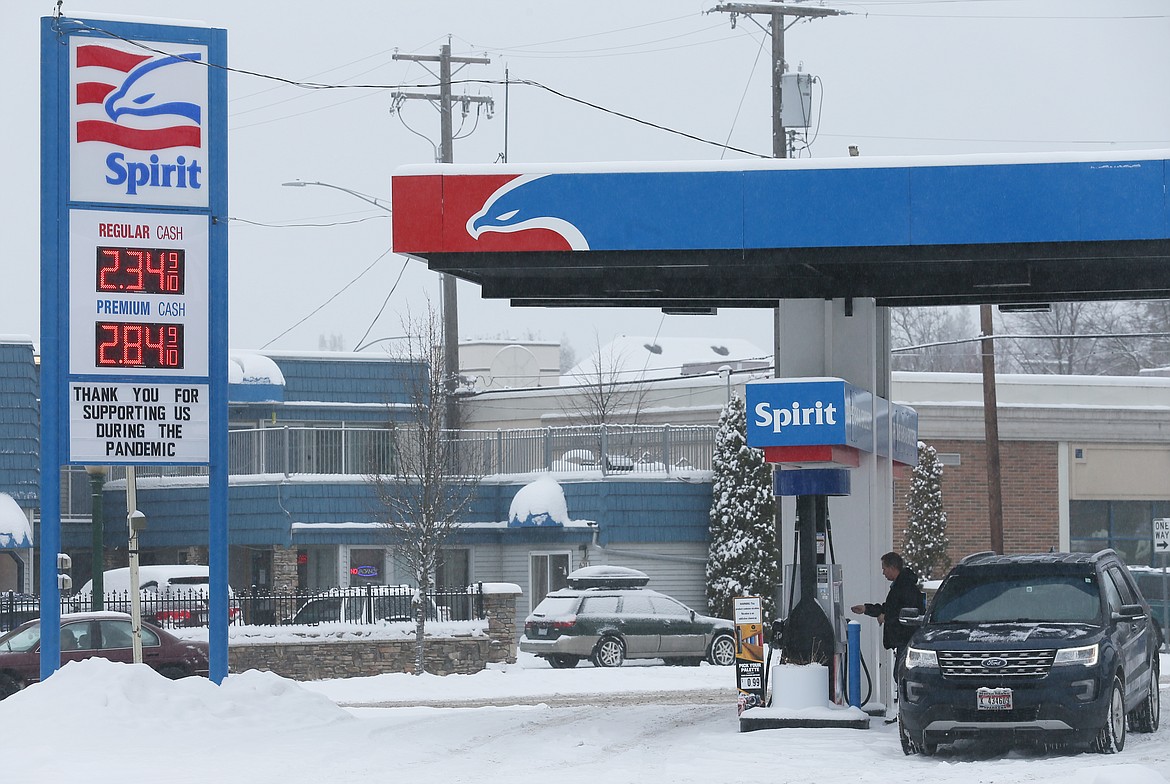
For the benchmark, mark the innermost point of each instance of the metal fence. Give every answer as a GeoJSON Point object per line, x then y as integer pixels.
{"type": "Point", "coordinates": [606, 449]}
{"type": "Point", "coordinates": [186, 607]}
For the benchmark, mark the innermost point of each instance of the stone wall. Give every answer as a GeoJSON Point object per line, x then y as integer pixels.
{"type": "Point", "coordinates": [284, 568]}
{"type": "Point", "coordinates": [320, 659]}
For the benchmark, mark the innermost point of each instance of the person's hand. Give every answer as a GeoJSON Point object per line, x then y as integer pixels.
{"type": "Point", "coordinates": [858, 609]}
{"type": "Point", "coordinates": [881, 619]}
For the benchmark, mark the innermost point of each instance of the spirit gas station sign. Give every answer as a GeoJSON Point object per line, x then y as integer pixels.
{"type": "Point", "coordinates": [133, 271]}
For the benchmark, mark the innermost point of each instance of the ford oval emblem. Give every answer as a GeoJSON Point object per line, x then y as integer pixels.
{"type": "Point", "coordinates": [994, 662]}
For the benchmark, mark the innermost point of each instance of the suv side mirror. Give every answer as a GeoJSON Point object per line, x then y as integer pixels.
{"type": "Point", "coordinates": [911, 616]}
{"type": "Point", "coordinates": [1129, 612]}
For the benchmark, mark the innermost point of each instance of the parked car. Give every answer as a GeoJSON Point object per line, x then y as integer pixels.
{"type": "Point", "coordinates": [606, 616]}
{"type": "Point", "coordinates": [104, 634]}
{"type": "Point", "coordinates": [172, 594]}
{"type": "Point", "coordinates": [359, 605]}
{"type": "Point", "coordinates": [1057, 647]}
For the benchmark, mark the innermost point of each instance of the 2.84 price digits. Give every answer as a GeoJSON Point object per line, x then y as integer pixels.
{"type": "Point", "coordinates": [138, 345]}
{"type": "Point", "coordinates": [141, 270]}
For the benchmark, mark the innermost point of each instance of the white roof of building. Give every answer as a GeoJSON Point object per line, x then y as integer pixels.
{"type": "Point", "coordinates": [632, 358]}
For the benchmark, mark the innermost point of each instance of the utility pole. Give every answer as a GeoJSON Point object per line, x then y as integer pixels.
{"type": "Point", "coordinates": [445, 101]}
{"type": "Point", "coordinates": [991, 431]}
{"type": "Point", "coordinates": [777, 11]}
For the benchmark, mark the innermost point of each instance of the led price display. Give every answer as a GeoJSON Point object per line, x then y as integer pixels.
{"type": "Point", "coordinates": [141, 270]}
{"type": "Point", "coordinates": [123, 344]}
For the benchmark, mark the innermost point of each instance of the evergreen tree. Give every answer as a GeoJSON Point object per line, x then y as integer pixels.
{"type": "Point", "coordinates": [926, 533]}
{"type": "Point", "coordinates": [743, 556]}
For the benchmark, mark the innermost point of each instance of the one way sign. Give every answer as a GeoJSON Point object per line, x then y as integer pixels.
{"type": "Point", "coordinates": [1162, 535]}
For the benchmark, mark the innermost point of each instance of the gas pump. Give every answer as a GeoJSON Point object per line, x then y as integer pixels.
{"type": "Point", "coordinates": [815, 631]}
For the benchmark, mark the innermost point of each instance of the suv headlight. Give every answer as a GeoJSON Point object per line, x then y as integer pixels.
{"type": "Point", "coordinates": [1085, 655]}
{"type": "Point", "coordinates": [918, 657]}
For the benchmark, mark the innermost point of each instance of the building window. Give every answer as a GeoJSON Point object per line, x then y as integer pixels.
{"type": "Point", "coordinates": [547, 572]}
{"type": "Point", "coordinates": [454, 569]}
{"type": "Point", "coordinates": [1125, 526]}
{"type": "Point", "coordinates": [367, 567]}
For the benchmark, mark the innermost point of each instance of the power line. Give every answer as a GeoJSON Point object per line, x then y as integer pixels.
{"type": "Point", "coordinates": [307, 225]}
{"type": "Point", "coordinates": [1097, 336]}
{"type": "Point", "coordinates": [318, 309]}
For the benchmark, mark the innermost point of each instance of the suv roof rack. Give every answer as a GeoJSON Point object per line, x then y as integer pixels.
{"type": "Point", "coordinates": [992, 557]}
{"type": "Point", "coordinates": [603, 576]}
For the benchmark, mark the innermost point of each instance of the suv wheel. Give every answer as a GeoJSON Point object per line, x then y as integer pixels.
{"type": "Point", "coordinates": [1111, 738]}
{"type": "Point", "coordinates": [722, 650]}
{"type": "Point", "coordinates": [1145, 717]}
{"type": "Point", "coordinates": [563, 661]}
{"type": "Point", "coordinates": [911, 746]}
{"type": "Point", "coordinates": [609, 652]}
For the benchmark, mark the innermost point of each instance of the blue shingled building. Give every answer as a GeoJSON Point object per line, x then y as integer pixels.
{"type": "Point", "coordinates": [19, 460]}
{"type": "Point", "coordinates": [307, 431]}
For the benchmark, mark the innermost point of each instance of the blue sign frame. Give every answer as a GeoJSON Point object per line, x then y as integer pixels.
{"type": "Point", "coordinates": [809, 412]}
{"type": "Point", "coordinates": [57, 134]}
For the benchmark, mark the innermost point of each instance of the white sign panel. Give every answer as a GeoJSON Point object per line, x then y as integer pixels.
{"type": "Point", "coordinates": [138, 123]}
{"type": "Point", "coordinates": [138, 293]}
{"type": "Point", "coordinates": [138, 423]}
{"type": "Point", "coordinates": [748, 609]}
{"type": "Point", "coordinates": [1162, 535]}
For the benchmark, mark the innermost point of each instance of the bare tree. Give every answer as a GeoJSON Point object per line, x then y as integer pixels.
{"type": "Point", "coordinates": [924, 326]}
{"type": "Point", "coordinates": [606, 389]}
{"type": "Point", "coordinates": [1086, 338]}
{"type": "Point", "coordinates": [433, 474]}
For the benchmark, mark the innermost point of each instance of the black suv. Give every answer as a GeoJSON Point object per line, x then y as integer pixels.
{"type": "Point", "coordinates": [1058, 647]}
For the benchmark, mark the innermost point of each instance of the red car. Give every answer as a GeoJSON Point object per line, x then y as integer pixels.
{"type": "Point", "coordinates": [104, 634]}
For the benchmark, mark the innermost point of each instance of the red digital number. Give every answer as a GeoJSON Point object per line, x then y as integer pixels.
{"type": "Point", "coordinates": [138, 345]}
{"type": "Point", "coordinates": [141, 270]}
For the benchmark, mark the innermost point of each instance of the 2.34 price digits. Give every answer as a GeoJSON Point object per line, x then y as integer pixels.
{"type": "Point", "coordinates": [141, 270]}
{"type": "Point", "coordinates": [138, 345]}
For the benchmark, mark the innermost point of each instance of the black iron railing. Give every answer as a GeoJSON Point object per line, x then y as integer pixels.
{"type": "Point", "coordinates": [184, 607]}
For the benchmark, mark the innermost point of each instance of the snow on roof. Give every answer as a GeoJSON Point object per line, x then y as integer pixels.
{"type": "Point", "coordinates": [246, 367]}
{"type": "Point", "coordinates": [15, 531]}
{"type": "Point", "coordinates": [631, 358]}
{"type": "Point", "coordinates": [539, 503]}
{"type": "Point", "coordinates": [22, 339]}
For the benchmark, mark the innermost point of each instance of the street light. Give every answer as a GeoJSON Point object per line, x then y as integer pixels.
{"type": "Point", "coordinates": [450, 309]}
{"type": "Point", "coordinates": [363, 196]}
{"type": "Point", "coordinates": [97, 478]}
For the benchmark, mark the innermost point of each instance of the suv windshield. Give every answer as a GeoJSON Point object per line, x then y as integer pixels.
{"type": "Point", "coordinates": [975, 596]}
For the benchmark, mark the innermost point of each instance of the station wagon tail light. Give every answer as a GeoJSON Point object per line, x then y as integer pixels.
{"type": "Point", "coordinates": [172, 616]}
{"type": "Point", "coordinates": [565, 623]}
{"type": "Point", "coordinates": [1086, 656]}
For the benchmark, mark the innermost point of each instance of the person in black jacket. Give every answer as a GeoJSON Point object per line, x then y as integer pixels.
{"type": "Point", "coordinates": [904, 592]}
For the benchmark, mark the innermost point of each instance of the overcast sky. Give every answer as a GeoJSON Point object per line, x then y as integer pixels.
{"type": "Point", "coordinates": [897, 77]}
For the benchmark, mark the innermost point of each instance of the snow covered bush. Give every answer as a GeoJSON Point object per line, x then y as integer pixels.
{"type": "Point", "coordinates": [743, 557]}
{"type": "Point", "coordinates": [925, 550]}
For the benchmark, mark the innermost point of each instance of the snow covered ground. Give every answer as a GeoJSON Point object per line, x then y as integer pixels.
{"type": "Point", "coordinates": [99, 722]}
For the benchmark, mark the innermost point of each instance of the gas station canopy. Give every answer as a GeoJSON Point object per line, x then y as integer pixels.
{"type": "Point", "coordinates": [1008, 229]}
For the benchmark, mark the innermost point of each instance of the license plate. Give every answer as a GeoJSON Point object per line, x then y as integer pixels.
{"type": "Point", "coordinates": [994, 699]}
{"type": "Point", "coordinates": [542, 631]}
